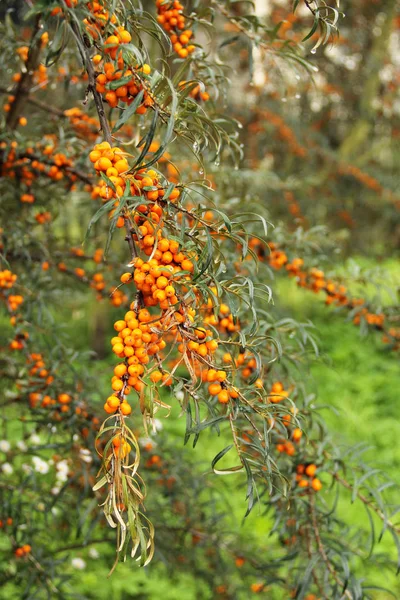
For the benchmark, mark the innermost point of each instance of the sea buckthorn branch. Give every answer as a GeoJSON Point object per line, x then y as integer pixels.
{"type": "Point", "coordinates": [104, 157]}
{"type": "Point", "coordinates": [304, 150]}
{"type": "Point", "coordinates": [84, 49]}
{"type": "Point", "coordinates": [323, 553]}
{"type": "Point", "coordinates": [368, 502]}
{"type": "Point", "coordinates": [35, 102]}
{"type": "Point", "coordinates": [24, 84]}
{"type": "Point", "coordinates": [335, 292]}
{"type": "Point", "coordinates": [269, 41]}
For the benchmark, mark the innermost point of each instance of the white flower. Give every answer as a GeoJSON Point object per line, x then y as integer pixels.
{"type": "Point", "coordinates": [35, 439]}
{"type": "Point", "coordinates": [4, 445]}
{"type": "Point", "coordinates": [75, 437]}
{"type": "Point", "coordinates": [62, 471]}
{"type": "Point", "coordinates": [78, 563]}
{"type": "Point", "coordinates": [7, 468]}
{"type": "Point", "coordinates": [40, 465]}
{"type": "Point", "coordinates": [22, 446]}
{"type": "Point", "coordinates": [26, 468]}
{"type": "Point", "coordinates": [147, 442]}
{"type": "Point", "coordinates": [85, 455]}
{"type": "Point", "coordinates": [61, 476]}
{"type": "Point", "coordinates": [157, 424]}
{"type": "Point", "coordinates": [93, 553]}
{"type": "Point", "coordinates": [55, 491]}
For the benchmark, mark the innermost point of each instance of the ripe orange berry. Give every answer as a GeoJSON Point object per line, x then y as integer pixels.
{"type": "Point", "coordinates": [297, 434]}
{"type": "Point", "coordinates": [316, 485]}
{"type": "Point", "coordinates": [120, 370]}
{"type": "Point", "coordinates": [113, 402]}
{"type": "Point", "coordinates": [119, 325]}
{"type": "Point", "coordinates": [125, 408]}
{"type": "Point", "coordinates": [126, 277]}
{"type": "Point", "coordinates": [124, 36]}
{"type": "Point", "coordinates": [156, 376]}
{"type": "Point", "coordinates": [118, 349]}
{"type": "Point", "coordinates": [311, 470]}
{"type": "Point", "coordinates": [303, 483]}
{"type": "Point", "coordinates": [223, 396]}
{"type": "Point", "coordinates": [214, 389]}
{"type": "Point", "coordinates": [117, 385]}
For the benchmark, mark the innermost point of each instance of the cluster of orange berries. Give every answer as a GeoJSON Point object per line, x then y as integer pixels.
{"type": "Point", "coordinates": [85, 126]}
{"type": "Point", "coordinates": [62, 402]}
{"type": "Point", "coordinates": [305, 477]}
{"type": "Point", "coordinates": [111, 162]}
{"type": "Point", "coordinates": [371, 318]}
{"type": "Point", "coordinates": [284, 132]}
{"type": "Point", "coordinates": [38, 368]}
{"type": "Point", "coordinates": [137, 340]}
{"type": "Point", "coordinates": [39, 76]}
{"type": "Point", "coordinates": [117, 296]}
{"type": "Point", "coordinates": [57, 10]}
{"type": "Point", "coordinates": [43, 217]}
{"type": "Point", "coordinates": [314, 279]}
{"type": "Point", "coordinates": [129, 87]}
{"type": "Point", "coordinates": [18, 343]}
{"type": "Point", "coordinates": [196, 93]}
{"type": "Point", "coordinates": [294, 206]}
{"type": "Point", "coordinates": [121, 446]}
{"type": "Point", "coordinates": [23, 550]}
{"type": "Point", "coordinates": [41, 378]}
{"type": "Point", "coordinates": [107, 82]}
{"type": "Point", "coordinates": [54, 165]}
{"type": "Point", "coordinates": [247, 365]}
{"type": "Point", "coordinates": [361, 176]}
{"type": "Point", "coordinates": [277, 393]}
{"type": "Point", "coordinates": [224, 321]}
{"type": "Point", "coordinates": [170, 16]}
{"type": "Point", "coordinates": [156, 279]}
{"type": "Point", "coordinates": [218, 385]}
{"type": "Point", "coordinates": [7, 280]}
{"type": "Point", "coordinates": [393, 337]}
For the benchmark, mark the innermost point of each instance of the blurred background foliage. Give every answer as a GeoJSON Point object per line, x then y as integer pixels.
{"type": "Point", "coordinates": [315, 155]}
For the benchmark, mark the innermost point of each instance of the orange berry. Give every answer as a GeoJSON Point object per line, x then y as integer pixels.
{"type": "Point", "coordinates": [119, 325]}
{"type": "Point", "coordinates": [316, 485]}
{"type": "Point", "coordinates": [120, 370]}
{"type": "Point", "coordinates": [303, 483]}
{"type": "Point", "coordinates": [223, 396]}
{"type": "Point", "coordinates": [311, 470]}
{"type": "Point", "coordinates": [125, 408]}
{"type": "Point", "coordinates": [156, 376]}
{"type": "Point", "coordinates": [214, 389]}
{"type": "Point", "coordinates": [113, 402]}
{"type": "Point", "coordinates": [126, 277]}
